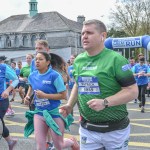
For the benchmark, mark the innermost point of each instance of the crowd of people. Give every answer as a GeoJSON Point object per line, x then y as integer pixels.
{"type": "Point", "coordinates": [100, 81]}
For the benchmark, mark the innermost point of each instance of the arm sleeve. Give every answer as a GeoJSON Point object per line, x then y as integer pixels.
{"type": "Point", "coordinates": [11, 75]}
{"type": "Point", "coordinates": [123, 73]}
{"type": "Point", "coordinates": [59, 84]}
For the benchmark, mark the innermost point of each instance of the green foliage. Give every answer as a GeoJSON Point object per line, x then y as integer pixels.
{"type": "Point", "coordinates": [132, 16]}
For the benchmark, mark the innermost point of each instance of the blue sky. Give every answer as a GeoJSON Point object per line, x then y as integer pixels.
{"type": "Point", "coordinates": [95, 9]}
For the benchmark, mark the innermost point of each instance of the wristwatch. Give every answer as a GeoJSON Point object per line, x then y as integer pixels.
{"type": "Point", "coordinates": [105, 103]}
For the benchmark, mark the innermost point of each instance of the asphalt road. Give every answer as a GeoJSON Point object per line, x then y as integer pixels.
{"type": "Point", "coordinates": [140, 127]}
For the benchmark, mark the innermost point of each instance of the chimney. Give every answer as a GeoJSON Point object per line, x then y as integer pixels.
{"type": "Point", "coordinates": [80, 19]}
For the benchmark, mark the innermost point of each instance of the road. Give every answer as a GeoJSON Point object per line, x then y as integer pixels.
{"type": "Point", "coordinates": [140, 127]}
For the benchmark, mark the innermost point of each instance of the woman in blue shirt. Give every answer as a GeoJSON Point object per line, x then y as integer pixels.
{"type": "Point", "coordinates": [49, 89]}
{"type": "Point", "coordinates": [141, 72]}
{"type": "Point", "coordinates": [6, 72]}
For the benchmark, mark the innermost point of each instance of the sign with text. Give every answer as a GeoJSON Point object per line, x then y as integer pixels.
{"type": "Point", "coordinates": [130, 42]}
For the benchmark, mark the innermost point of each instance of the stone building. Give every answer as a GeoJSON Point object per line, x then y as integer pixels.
{"type": "Point", "coordinates": [19, 32]}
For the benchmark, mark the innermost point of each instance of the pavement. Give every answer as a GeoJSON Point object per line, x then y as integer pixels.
{"type": "Point", "coordinates": [139, 137]}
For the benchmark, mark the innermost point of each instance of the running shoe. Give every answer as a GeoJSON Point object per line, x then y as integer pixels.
{"type": "Point", "coordinates": [50, 146]}
{"type": "Point", "coordinates": [142, 109]}
{"type": "Point", "coordinates": [10, 113]}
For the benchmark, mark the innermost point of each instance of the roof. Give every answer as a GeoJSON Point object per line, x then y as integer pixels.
{"type": "Point", "coordinates": [43, 22]}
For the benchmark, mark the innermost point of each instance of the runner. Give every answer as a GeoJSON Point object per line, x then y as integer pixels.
{"type": "Point", "coordinates": [6, 72]}
{"type": "Point", "coordinates": [49, 88]}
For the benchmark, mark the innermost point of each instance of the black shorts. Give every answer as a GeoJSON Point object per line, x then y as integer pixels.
{"type": "Point", "coordinates": [3, 107]}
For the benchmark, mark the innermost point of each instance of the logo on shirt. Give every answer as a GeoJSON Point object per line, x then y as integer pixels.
{"type": "Point", "coordinates": [46, 82]}
{"type": "Point", "coordinates": [89, 68]}
{"type": "Point", "coordinates": [126, 67]}
{"type": "Point", "coordinates": [83, 139]}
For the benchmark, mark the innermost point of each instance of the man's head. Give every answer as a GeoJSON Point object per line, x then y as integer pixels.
{"type": "Point", "coordinates": [13, 64]}
{"type": "Point", "coordinates": [93, 35]}
{"type": "Point", "coordinates": [140, 56]}
{"type": "Point", "coordinates": [72, 57]}
{"type": "Point", "coordinates": [2, 59]}
{"type": "Point", "coordinates": [132, 61]}
{"type": "Point", "coordinates": [141, 60]}
{"type": "Point", "coordinates": [19, 64]}
{"type": "Point", "coordinates": [41, 45]}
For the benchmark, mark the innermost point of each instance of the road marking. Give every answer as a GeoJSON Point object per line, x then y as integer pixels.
{"type": "Point", "coordinates": [9, 123]}
{"type": "Point", "coordinates": [24, 107]}
{"type": "Point", "coordinates": [140, 119]}
{"type": "Point", "coordinates": [146, 110]}
{"type": "Point", "coordinates": [140, 125]}
{"type": "Point", "coordinates": [139, 144]}
{"type": "Point", "coordinates": [140, 134]}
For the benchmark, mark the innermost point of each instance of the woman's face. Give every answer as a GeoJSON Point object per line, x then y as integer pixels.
{"type": "Point", "coordinates": [41, 62]}
{"type": "Point", "coordinates": [28, 59]}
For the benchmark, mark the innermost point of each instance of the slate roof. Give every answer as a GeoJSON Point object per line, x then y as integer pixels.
{"type": "Point", "coordinates": [42, 22]}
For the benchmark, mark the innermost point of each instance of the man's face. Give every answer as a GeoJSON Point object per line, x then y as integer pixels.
{"type": "Point", "coordinates": [13, 65]}
{"type": "Point", "coordinates": [72, 59]}
{"type": "Point", "coordinates": [141, 56]}
{"type": "Point", "coordinates": [40, 47]}
{"type": "Point", "coordinates": [91, 37]}
{"type": "Point", "coordinates": [132, 61]}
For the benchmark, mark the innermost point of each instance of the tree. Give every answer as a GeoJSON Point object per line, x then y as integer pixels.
{"type": "Point", "coordinates": [132, 16]}
{"type": "Point", "coordinates": [116, 33]}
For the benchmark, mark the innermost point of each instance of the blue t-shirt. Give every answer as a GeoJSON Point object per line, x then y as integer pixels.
{"type": "Point", "coordinates": [7, 73]}
{"type": "Point", "coordinates": [17, 71]}
{"type": "Point", "coordinates": [71, 79]}
{"type": "Point", "coordinates": [32, 66]}
{"type": "Point", "coordinates": [50, 82]}
{"type": "Point", "coordinates": [142, 80]}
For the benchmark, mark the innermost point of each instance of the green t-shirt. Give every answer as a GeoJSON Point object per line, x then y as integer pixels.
{"type": "Point", "coordinates": [25, 71]}
{"type": "Point", "coordinates": [99, 77]}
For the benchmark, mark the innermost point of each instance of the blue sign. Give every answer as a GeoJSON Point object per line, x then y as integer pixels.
{"type": "Point", "coordinates": [127, 42]}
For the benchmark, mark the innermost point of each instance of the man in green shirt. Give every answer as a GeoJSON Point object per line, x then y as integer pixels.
{"type": "Point", "coordinates": [104, 84]}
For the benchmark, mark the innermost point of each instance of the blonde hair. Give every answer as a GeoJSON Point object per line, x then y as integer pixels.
{"type": "Point", "coordinates": [42, 42]}
{"type": "Point", "coordinates": [30, 55]}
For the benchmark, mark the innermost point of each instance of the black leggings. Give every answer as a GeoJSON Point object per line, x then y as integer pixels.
{"type": "Point", "coordinates": [142, 90]}
{"type": "Point", "coordinates": [3, 108]}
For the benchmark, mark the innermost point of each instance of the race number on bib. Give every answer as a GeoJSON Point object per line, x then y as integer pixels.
{"type": "Point", "coordinates": [42, 102]}
{"type": "Point", "coordinates": [88, 85]}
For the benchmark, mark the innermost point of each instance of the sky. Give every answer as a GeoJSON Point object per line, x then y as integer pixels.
{"type": "Point", "coordinates": [90, 9]}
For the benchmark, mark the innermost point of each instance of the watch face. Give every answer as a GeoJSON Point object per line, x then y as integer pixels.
{"type": "Point", "coordinates": [106, 103]}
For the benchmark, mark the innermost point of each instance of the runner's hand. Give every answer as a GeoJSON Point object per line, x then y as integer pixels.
{"type": "Point", "coordinates": [96, 104]}
{"type": "Point", "coordinates": [65, 110]}
{"type": "Point", "coordinates": [27, 100]}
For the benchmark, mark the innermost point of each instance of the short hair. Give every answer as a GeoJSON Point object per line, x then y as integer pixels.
{"type": "Point", "coordinates": [13, 63]}
{"type": "Point", "coordinates": [42, 42]}
{"type": "Point", "coordinates": [2, 58]}
{"type": "Point", "coordinates": [99, 24]}
{"type": "Point", "coordinates": [19, 62]}
{"type": "Point", "coordinates": [30, 55]}
{"type": "Point", "coordinates": [46, 55]}
{"type": "Point", "coordinates": [131, 57]}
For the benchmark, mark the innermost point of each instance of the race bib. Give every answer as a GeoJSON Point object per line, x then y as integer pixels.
{"type": "Point", "coordinates": [41, 102]}
{"type": "Point", "coordinates": [88, 85]}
